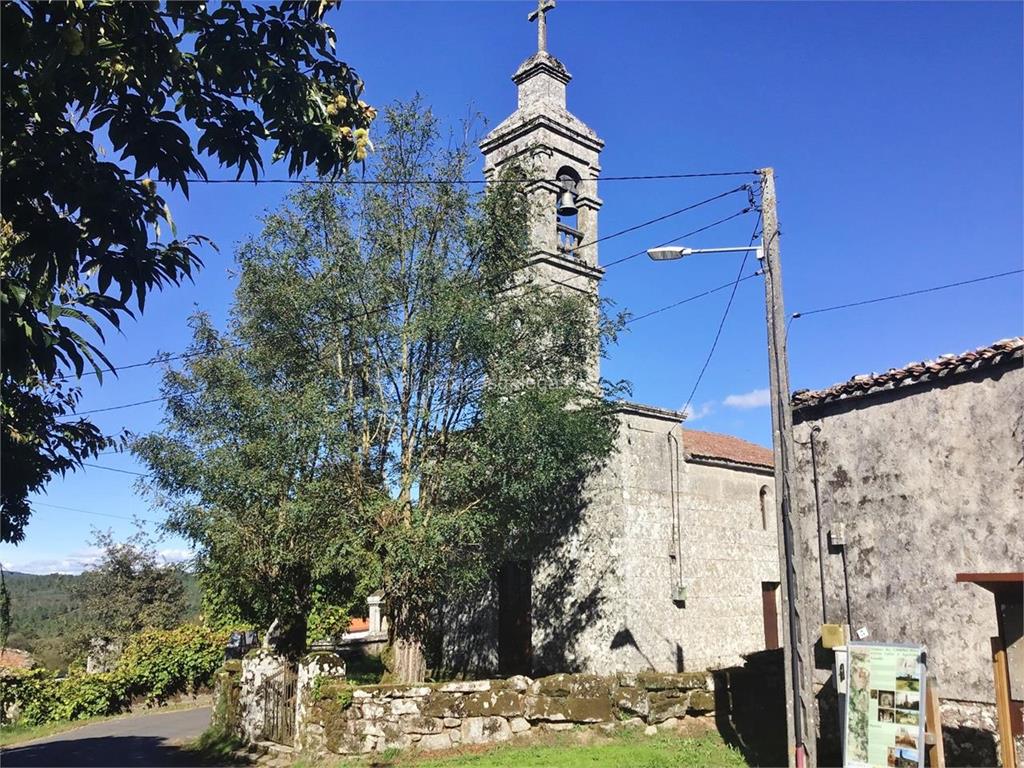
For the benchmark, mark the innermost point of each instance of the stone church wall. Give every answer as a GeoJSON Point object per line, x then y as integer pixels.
{"type": "Point", "coordinates": [603, 592]}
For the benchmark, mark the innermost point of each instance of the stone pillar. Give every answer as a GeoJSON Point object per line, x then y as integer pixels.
{"type": "Point", "coordinates": [257, 666]}
{"type": "Point", "coordinates": [309, 736]}
{"type": "Point", "coordinates": [375, 603]}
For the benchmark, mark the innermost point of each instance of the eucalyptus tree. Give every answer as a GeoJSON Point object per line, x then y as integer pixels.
{"type": "Point", "coordinates": [440, 401]}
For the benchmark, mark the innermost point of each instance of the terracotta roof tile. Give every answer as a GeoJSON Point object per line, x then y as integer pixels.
{"type": "Point", "coordinates": [914, 373]}
{"type": "Point", "coordinates": [711, 445]}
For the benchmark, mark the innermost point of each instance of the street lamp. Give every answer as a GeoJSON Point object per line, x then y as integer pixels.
{"type": "Point", "coordinates": [671, 252]}
{"type": "Point", "coordinates": [799, 690]}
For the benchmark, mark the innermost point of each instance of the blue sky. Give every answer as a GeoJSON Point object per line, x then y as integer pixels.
{"type": "Point", "coordinates": [894, 129]}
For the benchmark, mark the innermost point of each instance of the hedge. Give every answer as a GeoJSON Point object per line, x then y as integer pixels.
{"type": "Point", "coordinates": [156, 665]}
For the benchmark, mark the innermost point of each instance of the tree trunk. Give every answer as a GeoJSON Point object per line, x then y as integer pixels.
{"type": "Point", "coordinates": [409, 663]}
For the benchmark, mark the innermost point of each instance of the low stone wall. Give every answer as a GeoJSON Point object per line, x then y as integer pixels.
{"type": "Point", "coordinates": [345, 719]}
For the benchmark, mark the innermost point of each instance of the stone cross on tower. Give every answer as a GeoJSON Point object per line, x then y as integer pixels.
{"type": "Point", "coordinates": [540, 16]}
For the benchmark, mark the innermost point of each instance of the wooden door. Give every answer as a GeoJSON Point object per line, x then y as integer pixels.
{"type": "Point", "coordinates": [515, 623]}
{"type": "Point", "coordinates": [770, 610]}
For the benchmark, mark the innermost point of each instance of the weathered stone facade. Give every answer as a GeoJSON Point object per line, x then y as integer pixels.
{"type": "Point", "coordinates": [663, 568]}
{"type": "Point", "coordinates": [920, 476]}
{"type": "Point", "coordinates": [350, 720]}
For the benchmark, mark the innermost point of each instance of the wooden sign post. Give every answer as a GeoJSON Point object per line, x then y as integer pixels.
{"type": "Point", "coordinates": [933, 725]}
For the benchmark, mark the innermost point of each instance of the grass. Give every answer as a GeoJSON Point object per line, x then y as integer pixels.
{"type": "Point", "coordinates": [214, 747]}
{"type": "Point", "coordinates": [630, 748]}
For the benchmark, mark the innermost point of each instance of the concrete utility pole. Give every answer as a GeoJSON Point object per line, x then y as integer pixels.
{"type": "Point", "coordinates": [799, 693]}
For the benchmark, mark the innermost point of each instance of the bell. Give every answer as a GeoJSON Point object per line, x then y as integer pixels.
{"type": "Point", "coordinates": [567, 204]}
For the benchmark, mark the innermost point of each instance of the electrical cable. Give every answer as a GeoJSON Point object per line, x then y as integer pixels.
{"type": "Point", "coordinates": [725, 315]}
{"type": "Point", "coordinates": [905, 294]}
{"type": "Point", "coordinates": [691, 298]}
{"type": "Point", "coordinates": [458, 182]}
{"type": "Point", "coordinates": [395, 305]}
{"type": "Point", "coordinates": [90, 512]}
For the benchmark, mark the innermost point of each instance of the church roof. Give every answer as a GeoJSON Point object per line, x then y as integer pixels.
{"type": "Point", "coordinates": [942, 367]}
{"type": "Point", "coordinates": [711, 445]}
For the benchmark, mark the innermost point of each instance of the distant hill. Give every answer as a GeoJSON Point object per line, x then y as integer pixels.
{"type": "Point", "coordinates": [42, 607]}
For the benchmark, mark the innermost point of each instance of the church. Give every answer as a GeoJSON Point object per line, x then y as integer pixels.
{"type": "Point", "coordinates": [672, 563]}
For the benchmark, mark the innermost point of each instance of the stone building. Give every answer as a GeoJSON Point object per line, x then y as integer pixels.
{"type": "Point", "coordinates": [671, 563]}
{"type": "Point", "coordinates": [903, 480]}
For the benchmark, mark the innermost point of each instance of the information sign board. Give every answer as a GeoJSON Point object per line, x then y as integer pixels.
{"type": "Point", "coordinates": [885, 706]}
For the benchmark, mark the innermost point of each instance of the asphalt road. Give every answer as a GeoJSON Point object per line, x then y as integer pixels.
{"type": "Point", "coordinates": [138, 740]}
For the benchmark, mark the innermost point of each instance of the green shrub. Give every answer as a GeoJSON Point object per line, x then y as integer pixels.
{"type": "Point", "coordinates": [156, 665]}
{"type": "Point", "coordinates": [159, 663]}
{"type": "Point", "coordinates": [42, 697]}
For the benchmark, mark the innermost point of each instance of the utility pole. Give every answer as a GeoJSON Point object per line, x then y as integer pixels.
{"type": "Point", "coordinates": [798, 673]}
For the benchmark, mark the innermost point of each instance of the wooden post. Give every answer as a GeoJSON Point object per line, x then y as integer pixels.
{"type": "Point", "coordinates": [1007, 756]}
{"type": "Point", "coordinates": [933, 724]}
{"type": "Point", "coordinates": [795, 647]}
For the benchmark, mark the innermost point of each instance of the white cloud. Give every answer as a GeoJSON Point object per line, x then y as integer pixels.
{"type": "Point", "coordinates": [74, 562]}
{"type": "Point", "coordinates": [759, 398]}
{"type": "Point", "coordinates": [172, 555]}
{"type": "Point", "coordinates": [693, 414]}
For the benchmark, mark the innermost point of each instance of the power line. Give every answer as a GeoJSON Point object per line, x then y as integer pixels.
{"type": "Point", "coordinates": [158, 359]}
{"type": "Point", "coordinates": [725, 315]}
{"type": "Point", "coordinates": [115, 469]}
{"type": "Point", "coordinates": [98, 514]}
{"type": "Point", "coordinates": [905, 294]}
{"type": "Point", "coordinates": [692, 298]}
{"type": "Point", "coordinates": [458, 182]}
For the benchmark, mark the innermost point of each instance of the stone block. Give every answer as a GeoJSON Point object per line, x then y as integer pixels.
{"type": "Point", "coordinates": [404, 707]}
{"type": "Point", "coordinates": [444, 705]}
{"type": "Point", "coordinates": [393, 737]}
{"type": "Point", "coordinates": [631, 701]}
{"type": "Point", "coordinates": [568, 708]}
{"type": "Point", "coordinates": [558, 726]}
{"type": "Point", "coordinates": [579, 686]}
{"type": "Point", "coordinates": [493, 703]}
{"type": "Point", "coordinates": [416, 692]}
{"type": "Point", "coordinates": [650, 730]}
{"type": "Point", "coordinates": [466, 686]}
{"type": "Point", "coordinates": [519, 683]}
{"type": "Point", "coordinates": [434, 741]}
{"type": "Point", "coordinates": [667, 704]}
{"type": "Point", "coordinates": [702, 701]}
{"type": "Point", "coordinates": [452, 722]}
{"type": "Point", "coordinates": [485, 730]}
{"type": "Point", "coordinates": [519, 724]}
{"type": "Point", "coordinates": [663, 681]}
{"type": "Point", "coordinates": [671, 724]}
{"type": "Point", "coordinates": [420, 724]}
{"type": "Point", "coordinates": [350, 738]}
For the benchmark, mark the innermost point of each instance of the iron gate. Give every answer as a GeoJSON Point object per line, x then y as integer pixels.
{"type": "Point", "coordinates": [279, 707]}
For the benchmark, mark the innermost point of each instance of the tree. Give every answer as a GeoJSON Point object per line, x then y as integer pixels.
{"type": "Point", "coordinates": [451, 396]}
{"type": "Point", "coordinates": [81, 245]}
{"type": "Point", "coordinates": [255, 463]}
{"type": "Point", "coordinates": [128, 590]}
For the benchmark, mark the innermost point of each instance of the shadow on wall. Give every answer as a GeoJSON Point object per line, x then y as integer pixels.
{"type": "Point", "coordinates": [564, 604]}
{"type": "Point", "coordinates": [966, 746]}
{"type": "Point", "coordinates": [750, 707]}
{"type": "Point", "coordinates": [555, 610]}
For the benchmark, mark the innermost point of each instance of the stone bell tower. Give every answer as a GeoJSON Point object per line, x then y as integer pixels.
{"type": "Point", "coordinates": [559, 150]}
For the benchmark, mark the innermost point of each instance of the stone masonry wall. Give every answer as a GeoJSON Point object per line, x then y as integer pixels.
{"type": "Point", "coordinates": [346, 720]}
{"type": "Point", "coordinates": [927, 482]}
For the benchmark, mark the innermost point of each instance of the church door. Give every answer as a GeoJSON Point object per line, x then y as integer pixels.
{"type": "Point", "coordinates": [770, 609]}
{"type": "Point", "coordinates": [515, 648]}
